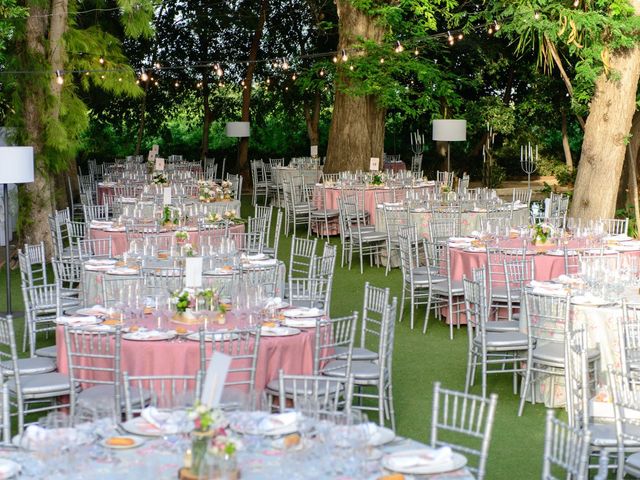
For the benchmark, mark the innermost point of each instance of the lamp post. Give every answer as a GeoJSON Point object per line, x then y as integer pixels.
{"type": "Point", "coordinates": [449, 131]}
{"type": "Point", "coordinates": [16, 166]}
{"type": "Point", "coordinates": [237, 130]}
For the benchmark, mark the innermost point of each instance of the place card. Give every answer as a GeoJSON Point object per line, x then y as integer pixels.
{"type": "Point", "coordinates": [374, 164]}
{"type": "Point", "coordinates": [166, 196]}
{"type": "Point", "coordinates": [314, 151]}
{"type": "Point", "coordinates": [214, 379]}
{"type": "Point", "coordinates": [193, 272]}
{"type": "Point", "coordinates": [152, 156]}
{"type": "Point", "coordinates": [159, 164]}
{"type": "Point", "coordinates": [155, 148]}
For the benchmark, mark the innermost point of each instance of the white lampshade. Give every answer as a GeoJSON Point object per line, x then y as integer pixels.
{"type": "Point", "coordinates": [449, 130]}
{"type": "Point", "coordinates": [237, 129]}
{"type": "Point", "coordinates": [16, 165]}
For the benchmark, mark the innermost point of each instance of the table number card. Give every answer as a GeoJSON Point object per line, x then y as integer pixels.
{"type": "Point", "coordinates": [214, 379]}
{"type": "Point", "coordinates": [159, 164]}
{"type": "Point", "coordinates": [152, 156]}
{"type": "Point", "coordinates": [374, 164]}
{"type": "Point", "coordinates": [314, 151]}
{"type": "Point", "coordinates": [193, 272]}
{"type": "Point", "coordinates": [166, 196]}
{"type": "Point", "coordinates": [155, 148]}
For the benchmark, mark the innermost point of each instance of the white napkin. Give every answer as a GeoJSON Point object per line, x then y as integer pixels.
{"type": "Point", "coordinates": [266, 261]}
{"type": "Point", "coordinates": [273, 302]}
{"type": "Point", "coordinates": [144, 334]}
{"type": "Point", "coordinates": [35, 436]}
{"type": "Point", "coordinates": [79, 320]}
{"type": "Point", "coordinates": [122, 271]}
{"type": "Point", "coordinates": [303, 312]}
{"type": "Point", "coordinates": [422, 458]}
{"type": "Point", "coordinates": [164, 420]}
{"type": "Point", "coordinates": [277, 421]}
{"type": "Point", "coordinates": [546, 285]}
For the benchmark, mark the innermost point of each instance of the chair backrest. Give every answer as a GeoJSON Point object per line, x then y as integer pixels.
{"type": "Point", "coordinates": [276, 233]}
{"type": "Point", "coordinates": [242, 346]}
{"type": "Point", "coordinates": [496, 274]}
{"type": "Point", "coordinates": [247, 242]}
{"type": "Point", "coordinates": [161, 280]}
{"type": "Point", "coordinates": [93, 359]}
{"type": "Point", "coordinates": [120, 289]}
{"type": "Point", "coordinates": [547, 317]}
{"type": "Point", "coordinates": [476, 308]}
{"type": "Point", "coordinates": [303, 251]}
{"type": "Point", "coordinates": [566, 450]}
{"type": "Point", "coordinates": [42, 305]}
{"type": "Point", "coordinates": [523, 195]}
{"type": "Point", "coordinates": [319, 393]}
{"type": "Point", "coordinates": [374, 312]}
{"type": "Point", "coordinates": [236, 185]}
{"type": "Point", "coordinates": [441, 229]}
{"type": "Point", "coordinates": [33, 264]}
{"type": "Point", "coordinates": [333, 337]}
{"type": "Point", "coordinates": [615, 226]}
{"type": "Point", "coordinates": [68, 274]}
{"type": "Point", "coordinates": [94, 248]}
{"type": "Point", "coordinates": [629, 336]}
{"type": "Point", "coordinates": [95, 212]}
{"type": "Point", "coordinates": [394, 218]}
{"type": "Point", "coordinates": [324, 266]}
{"type": "Point", "coordinates": [464, 416]}
{"type": "Point", "coordinates": [625, 390]}
{"type": "Point", "coordinates": [264, 277]}
{"type": "Point", "coordinates": [518, 273]}
{"type": "Point", "coordinates": [160, 391]}
{"type": "Point", "coordinates": [314, 292]}
{"type": "Point", "coordinates": [407, 241]}
{"type": "Point", "coordinates": [578, 391]}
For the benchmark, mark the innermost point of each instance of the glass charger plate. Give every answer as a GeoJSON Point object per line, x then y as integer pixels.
{"type": "Point", "coordinates": [223, 336]}
{"type": "Point", "coordinates": [456, 462]}
{"type": "Point", "coordinates": [279, 331]}
{"type": "Point", "coordinates": [152, 337]}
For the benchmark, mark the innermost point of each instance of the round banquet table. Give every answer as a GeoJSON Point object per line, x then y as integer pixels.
{"type": "Point", "coordinates": [119, 243]}
{"type": "Point", "coordinates": [293, 354]}
{"type": "Point", "coordinates": [333, 194]}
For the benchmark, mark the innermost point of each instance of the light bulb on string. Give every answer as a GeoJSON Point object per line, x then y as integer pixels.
{"type": "Point", "coordinates": [101, 60]}
{"type": "Point", "coordinates": [351, 67]}
{"type": "Point", "coordinates": [322, 72]}
{"type": "Point", "coordinates": [449, 36]}
{"type": "Point", "coordinates": [242, 83]}
{"type": "Point", "coordinates": [268, 81]}
{"type": "Point", "coordinates": [143, 75]}
{"type": "Point", "coordinates": [157, 65]}
{"type": "Point", "coordinates": [286, 89]}
{"type": "Point", "coordinates": [576, 3]}
{"type": "Point", "coordinates": [381, 59]}
{"type": "Point", "coordinates": [416, 52]}
{"type": "Point", "coordinates": [59, 77]}
{"type": "Point", "coordinates": [221, 84]}
{"type": "Point", "coordinates": [219, 71]}
{"type": "Point", "coordinates": [490, 31]}
{"type": "Point", "coordinates": [285, 64]}
{"type": "Point", "coordinates": [496, 25]}
{"type": "Point", "coordinates": [87, 73]}
{"type": "Point", "coordinates": [177, 84]}
{"type": "Point", "coordinates": [345, 57]}
{"type": "Point", "coordinates": [102, 77]}
{"type": "Point", "coordinates": [399, 48]}
{"type": "Point", "coordinates": [536, 15]}
{"type": "Point", "coordinates": [460, 36]}
{"type": "Point", "coordinates": [293, 77]}
{"type": "Point", "coordinates": [119, 79]}
{"type": "Point", "coordinates": [335, 59]}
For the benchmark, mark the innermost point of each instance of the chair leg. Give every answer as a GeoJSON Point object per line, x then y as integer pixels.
{"type": "Point", "coordinates": [525, 388]}
{"type": "Point", "coordinates": [467, 381]}
{"type": "Point", "coordinates": [413, 307]}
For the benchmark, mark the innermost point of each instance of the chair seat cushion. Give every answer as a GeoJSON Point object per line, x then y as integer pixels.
{"type": "Point", "coordinates": [604, 435]}
{"type": "Point", "coordinates": [359, 370]}
{"type": "Point", "coordinates": [443, 287]}
{"type": "Point", "coordinates": [29, 366]}
{"type": "Point", "coordinates": [502, 326]}
{"type": "Point", "coordinates": [274, 386]}
{"type": "Point", "coordinates": [552, 353]}
{"type": "Point", "coordinates": [48, 352]}
{"type": "Point", "coordinates": [357, 354]}
{"type": "Point", "coordinates": [632, 464]}
{"type": "Point", "coordinates": [42, 385]}
{"type": "Point", "coordinates": [329, 212]}
{"type": "Point", "coordinates": [504, 340]}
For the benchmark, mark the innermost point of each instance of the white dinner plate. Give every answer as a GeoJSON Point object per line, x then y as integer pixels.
{"type": "Point", "coordinates": [78, 321]}
{"type": "Point", "coordinates": [475, 249]}
{"type": "Point", "coordinates": [279, 331]}
{"type": "Point", "coordinates": [590, 301]}
{"type": "Point", "coordinates": [303, 312]}
{"type": "Point", "coordinates": [251, 426]}
{"type": "Point", "coordinates": [222, 335]}
{"type": "Point", "coordinates": [137, 441]}
{"type": "Point", "coordinates": [139, 426]}
{"type": "Point", "coordinates": [9, 468]}
{"type": "Point", "coordinates": [152, 337]}
{"type": "Point", "coordinates": [219, 271]}
{"type": "Point", "coordinates": [123, 271]}
{"type": "Point", "coordinates": [300, 322]}
{"type": "Point", "coordinates": [91, 311]}
{"type": "Point", "coordinates": [457, 462]}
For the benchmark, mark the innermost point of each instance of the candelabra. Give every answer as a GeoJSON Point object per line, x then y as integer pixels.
{"type": "Point", "coordinates": [417, 142]}
{"type": "Point", "coordinates": [528, 162]}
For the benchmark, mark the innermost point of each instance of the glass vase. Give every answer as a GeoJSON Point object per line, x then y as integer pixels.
{"type": "Point", "coordinates": [200, 442]}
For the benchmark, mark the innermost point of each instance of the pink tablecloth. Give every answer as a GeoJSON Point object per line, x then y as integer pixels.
{"type": "Point", "coordinates": [293, 354]}
{"type": "Point", "coordinates": [119, 243]}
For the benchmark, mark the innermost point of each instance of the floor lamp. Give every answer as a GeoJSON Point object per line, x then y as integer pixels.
{"type": "Point", "coordinates": [16, 166]}
{"type": "Point", "coordinates": [449, 131]}
{"type": "Point", "coordinates": [237, 130]}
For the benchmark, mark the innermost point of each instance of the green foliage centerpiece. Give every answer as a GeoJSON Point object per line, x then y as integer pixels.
{"type": "Point", "coordinates": [209, 435]}
{"type": "Point", "coordinates": [541, 233]}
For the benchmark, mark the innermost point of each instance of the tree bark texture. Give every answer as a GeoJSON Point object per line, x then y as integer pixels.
{"type": "Point", "coordinates": [243, 148]}
{"type": "Point", "coordinates": [312, 118]}
{"type": "Point", "coordinates": [565, 141]}
{"type": "Point", "coordinates": [143, 114]}
{"type": "Point", "coordinates": [357, 125]}
{"type": "Point", "coordinates": [35, 198]}
{"type": "Point", "coordinates": [605, 137]}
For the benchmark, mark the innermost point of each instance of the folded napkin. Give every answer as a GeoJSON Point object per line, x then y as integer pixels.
{"type": "Point", "coordinates": [273, 302]}
{"type": "Point", "coordinates": [122, 271]}
{"type": "Point", "coordinates": [278, 421]}
{"type": "Point", "coordinates": [419, 458]}
{"type": "Point", "coordinates": [145, 334]}
{"type": "Point", "coordinates": [267, 261]}
{"type": "Point", "coordinates": [256, 256]}
{"type": "Point", "coordinates": [35, 437]}
{"type": "Point", "coordinates": [303, 312]}
{"type": "Point", "coordinates": [168, 421]}
{"type": "Point", "coordinates": [77, 320]}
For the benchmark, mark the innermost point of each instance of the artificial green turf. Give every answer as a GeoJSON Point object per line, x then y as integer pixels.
{"type": "Point", "coordinates": [419, 361]}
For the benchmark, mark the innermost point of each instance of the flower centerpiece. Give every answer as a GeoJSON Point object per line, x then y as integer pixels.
{"type": "Point", "coordinates": [183, 300]}
{"type": "Point", "coordinates": [231, 216]}
{"type": "Point", "coordinates": [159, 178]}
{"type": "Point", "coordinates": [208, 191]}
{"type": "Point", "coordinates": [168, 219]}
{"type": "Point", "coordinates": [377, 179]}
{"type": "Point", "coordinates": [225, 188]}
{"type": "Point", "coordinates": [188, 250]}
{"type": "Point", "coordinates": [181, 237]}
{"type": "Point", "coordinates": [208, 424]}
{"type": "Point", "coordinates": [214, 217]}
{"type": "Point", "coordinates": [541, 233]}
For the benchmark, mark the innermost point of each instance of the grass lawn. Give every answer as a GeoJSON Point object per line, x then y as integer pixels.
{"type": "Point", "coordinates": [419, 360]}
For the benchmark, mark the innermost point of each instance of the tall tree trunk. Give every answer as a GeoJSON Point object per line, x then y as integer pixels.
{"type": "Point", "coordinates": [357, 125]}
{"type": "Point", "coordinates": [606, 130]}
{"type": "Point", "coordinates": [565, 141]}
{"type": "Point", "coordinates": [312, 119]}
{"type": "Point", "coordinates": [243, 148]}
{"type": "Point", "coordinates": [143, 114]}
{"type": "Point", "coordinates": [35, 198]}
{"type": "Point", "coordinates": [204, 147]}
